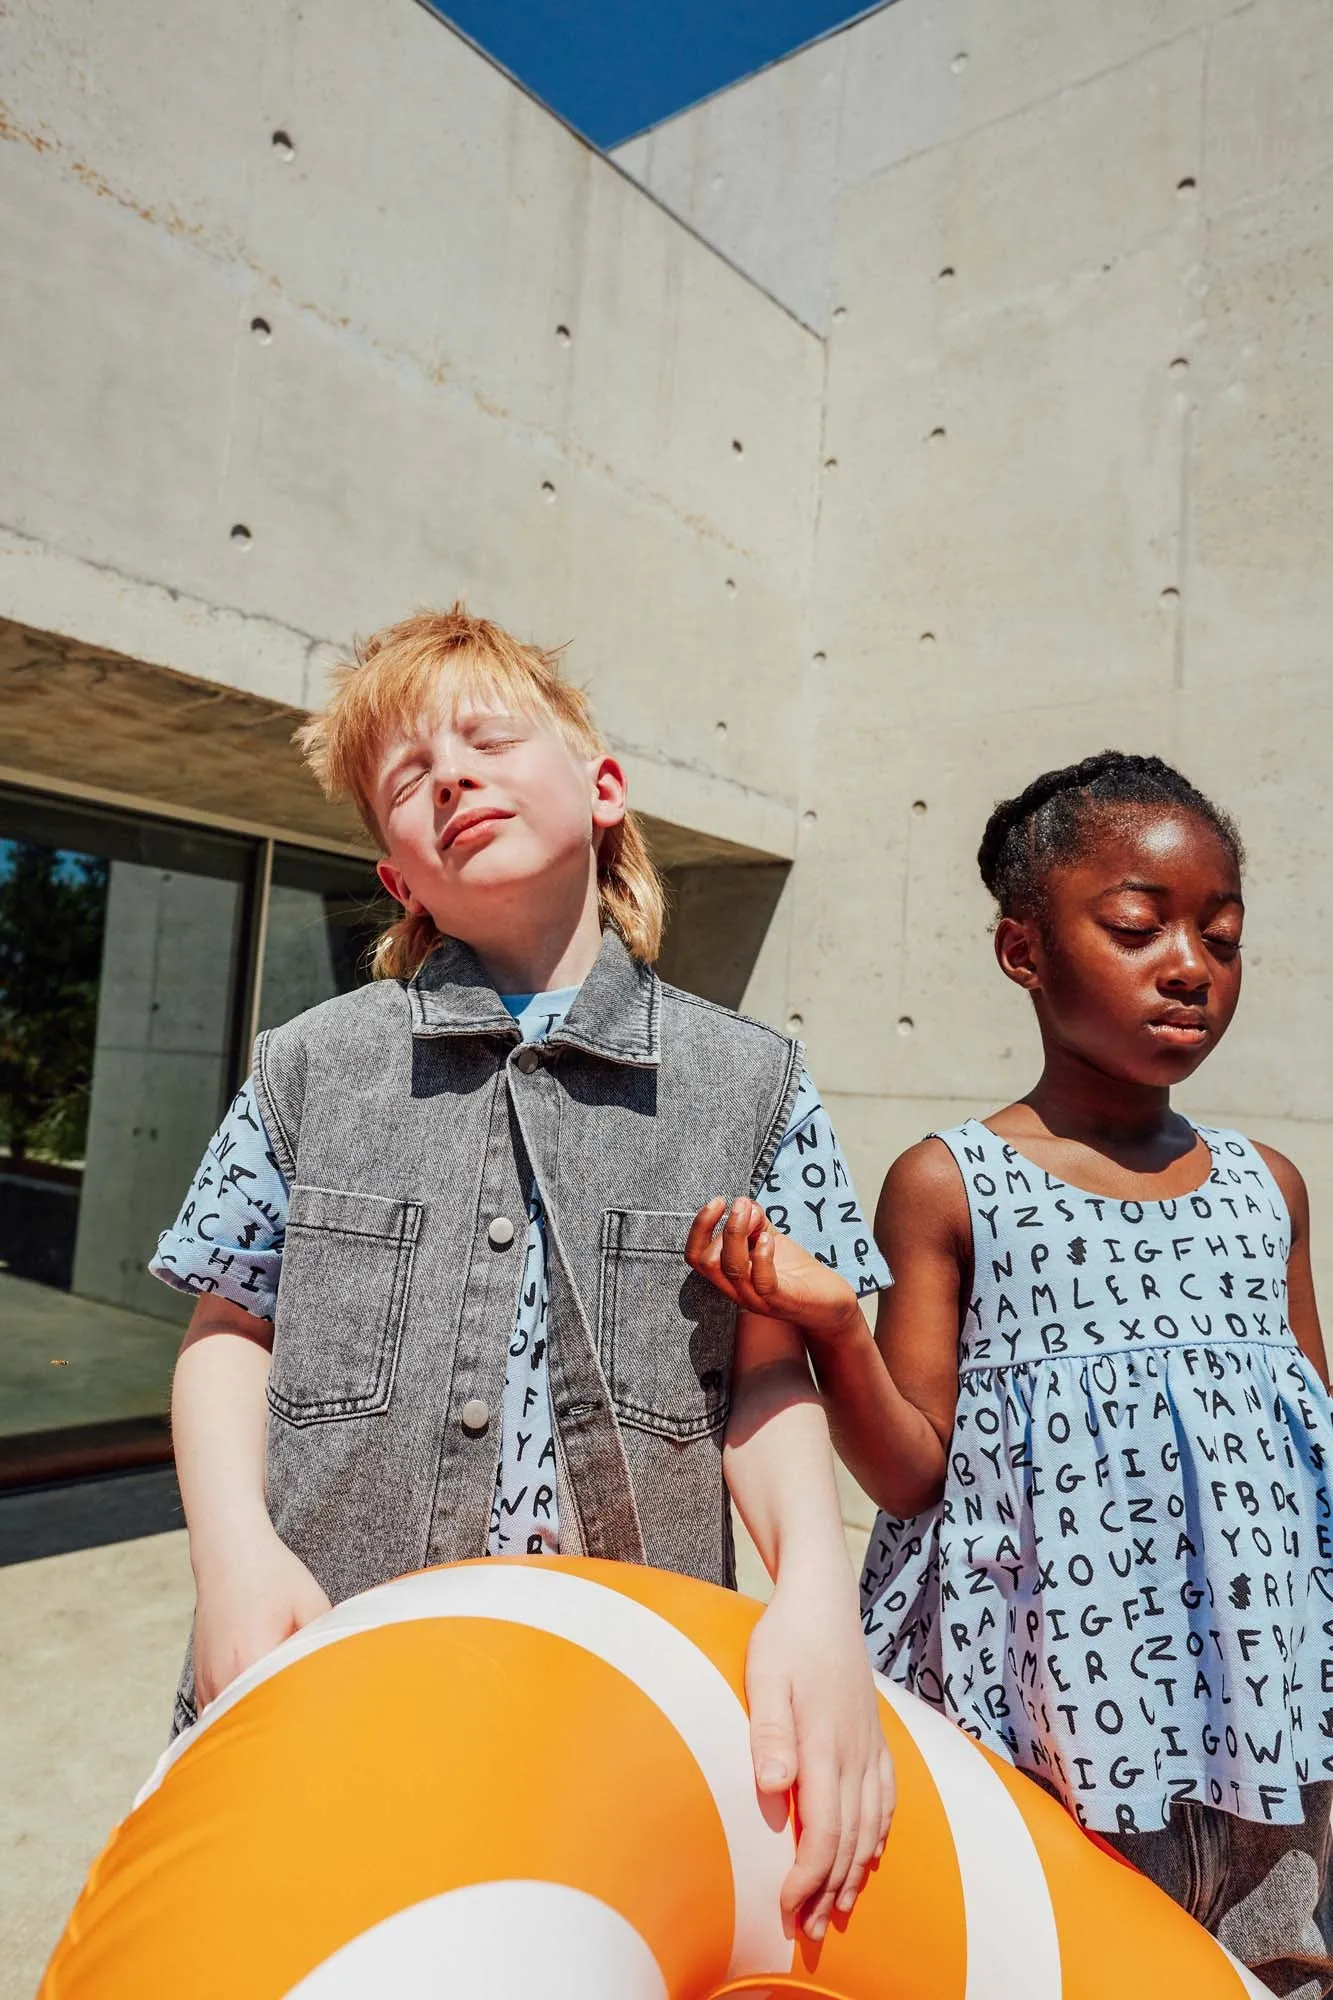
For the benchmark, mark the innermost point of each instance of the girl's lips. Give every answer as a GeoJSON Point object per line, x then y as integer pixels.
{"type": "Point", "coordinates": [1185, 1034]}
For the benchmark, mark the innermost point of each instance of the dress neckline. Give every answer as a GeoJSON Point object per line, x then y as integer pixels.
{"type": "Point", "coordinates": [1091, 1194]}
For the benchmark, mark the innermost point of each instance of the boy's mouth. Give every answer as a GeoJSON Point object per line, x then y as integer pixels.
{"type": "Point", "coordinates": [465, 823]}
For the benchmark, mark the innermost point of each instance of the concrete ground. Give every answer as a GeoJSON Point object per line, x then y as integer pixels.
{"type": "Point", "coordinates": [90, 1646]}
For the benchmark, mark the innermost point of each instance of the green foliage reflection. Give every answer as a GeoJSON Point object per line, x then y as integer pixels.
{"type": "Point", "coordinates": [52, 915]}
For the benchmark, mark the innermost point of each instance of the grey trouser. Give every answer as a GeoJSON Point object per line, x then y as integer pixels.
{"type": "Point", "coordinates": [1261, 1890]}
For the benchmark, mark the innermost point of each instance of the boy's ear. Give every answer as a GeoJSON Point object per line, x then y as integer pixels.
{"type": "Point", "coordinates": [396, 883]}
{"type": "Point", "coordinates": [1017, 952]}
{"type": "Point", "coordinates": [610, 793]}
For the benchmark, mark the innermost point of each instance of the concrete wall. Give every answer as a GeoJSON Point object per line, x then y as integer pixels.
{"type": "Point", "coordinates": [323, 274]}
{"type": "Point", "coordinates": [1075, 265]}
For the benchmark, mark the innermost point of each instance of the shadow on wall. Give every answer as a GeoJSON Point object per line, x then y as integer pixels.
{"type": "Point", "coordinates": [718, 917]}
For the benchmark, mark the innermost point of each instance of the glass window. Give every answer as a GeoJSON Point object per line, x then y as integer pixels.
{"type": "Point", "coordinates": [122, 943]}
{"type": "Point", "coordinates": [324, 913]}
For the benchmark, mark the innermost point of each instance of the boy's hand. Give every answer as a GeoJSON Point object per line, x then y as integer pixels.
{"type": "Point", "coordinates": [814, 1722]}
{"type": "Point", "coordinates": [765, 1271]}
{"type": "Point", "coordinates": [248, 1604]}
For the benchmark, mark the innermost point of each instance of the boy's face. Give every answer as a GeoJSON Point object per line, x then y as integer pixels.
{"type": "Point", "coordinates": [489, 815]}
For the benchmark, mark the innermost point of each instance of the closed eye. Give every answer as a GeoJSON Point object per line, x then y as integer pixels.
{"type": "Point", "coordinates": [406, 788]}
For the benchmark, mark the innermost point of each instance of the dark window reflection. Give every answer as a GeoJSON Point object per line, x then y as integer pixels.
{"type": "Point", "coordinates": [324, 913]}
{"type": "Point", "coordinates": [52, 914]}
{"type": "Point", "coordinates": [120, 943]}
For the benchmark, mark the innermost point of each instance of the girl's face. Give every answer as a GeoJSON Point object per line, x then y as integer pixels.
{"type": "Point", "coordinates": [489, 814]}
{"type": "Point", "coordinates": [1134, 965]}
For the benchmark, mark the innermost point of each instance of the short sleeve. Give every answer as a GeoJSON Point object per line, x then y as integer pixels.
{"type": "Point", "coordinates": [227, 1240]}
{"type": "Point", "coordinates": [809, 1195]}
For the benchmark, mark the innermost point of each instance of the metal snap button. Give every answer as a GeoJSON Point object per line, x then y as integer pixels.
{"type": "Point", "coordinates": [475, 1417]}
{"type": "Point", "coordinates": [500, 1233]}
{"type": "Point", "coordinates": [526, 1059]}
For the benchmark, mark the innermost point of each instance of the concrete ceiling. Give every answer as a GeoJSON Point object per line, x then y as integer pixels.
{"type": "Point", "coordinates": [102, 725]}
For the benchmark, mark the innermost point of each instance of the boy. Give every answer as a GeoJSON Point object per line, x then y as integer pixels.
{"type": "Point", "coordinates": [440, 1238]}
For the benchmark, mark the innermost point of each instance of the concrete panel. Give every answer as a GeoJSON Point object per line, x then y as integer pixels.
{"type": "Point", "coordinates": [925, 74]}
{"type": "Point", "coordinates": [1259, 589]}
{"type": "Point", "coordinates": [1264, 755]}
{"type": "Point", "coordinates": [1269, 104]}
{"type": "Point", "coordinates": [1039, 200]}
{"type": "Point", "coordinates": [919, 1008]}
{"type": "Point", "coordinates": [1001, 525]}
{"type": "Point", "coordinates": [908, 78]}
{"type": "Point", "coordinates": [754, 170]}
{"type": "Point", "coordinates": [90, 1647]}
{"type": "Point", "coordinates": [160, 1071]}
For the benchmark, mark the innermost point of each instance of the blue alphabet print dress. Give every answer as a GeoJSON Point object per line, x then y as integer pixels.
{"type": "Point", "coordinates": [1127, 1586]}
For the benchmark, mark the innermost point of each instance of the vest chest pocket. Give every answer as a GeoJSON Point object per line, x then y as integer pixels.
{"type": "Point", "coordinates": [666, 1334]}
{"type": "Point", "coordinates": [346, 1271]}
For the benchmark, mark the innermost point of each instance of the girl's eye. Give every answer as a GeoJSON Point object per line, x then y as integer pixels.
{"type": "Point", "coordinates": [408, 785]}
{"type": "Point", "coordinates": [1225, 947]}
{"type": "Point", "coordinates": [1140, 931]}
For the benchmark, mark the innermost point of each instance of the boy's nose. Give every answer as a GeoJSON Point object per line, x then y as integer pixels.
{"type": "Point", "coordinates": [445, 787]}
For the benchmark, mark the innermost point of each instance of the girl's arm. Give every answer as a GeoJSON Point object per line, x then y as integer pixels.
{"type": "Point", "coordinates": [814, 1718]}
{"type": "Point", "coordinates": [1302, 1309]}
{"type": "Point", "coordinates": [252, 1591]}
{"type": "Point", "coordinates": [891, 1399]}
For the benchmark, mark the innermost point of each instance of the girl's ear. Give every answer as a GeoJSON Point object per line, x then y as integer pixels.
{"type": "Point", "coordinates": [1017, 952]}
{"type": "Point", "coordinates": [396, 883]}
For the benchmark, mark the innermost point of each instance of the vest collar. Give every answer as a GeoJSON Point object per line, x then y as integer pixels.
{"type": "Point", "coordinates": [615, 1015]}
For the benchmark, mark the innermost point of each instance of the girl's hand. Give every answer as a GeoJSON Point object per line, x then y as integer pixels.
{"type": "Point", "coordinates": [765, 1272]}
{"type": "Point", "coordinates": [247, 1605]}
{"type": "Point", "coordinates": [814, 1722]}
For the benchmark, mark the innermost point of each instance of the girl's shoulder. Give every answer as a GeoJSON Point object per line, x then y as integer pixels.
{"type": "Point", "coordinates": [1224, 1142]}
{"type": "Point", "coordinates": [923, 1195]}
{"type": "Point", "coordinates": [1287, 1176]}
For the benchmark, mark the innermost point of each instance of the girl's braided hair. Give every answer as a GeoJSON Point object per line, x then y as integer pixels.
{"type": "Point", "coordinates": [1048, 822]}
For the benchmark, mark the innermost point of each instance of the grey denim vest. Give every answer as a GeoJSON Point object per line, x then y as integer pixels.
{"type": "Point", "coordinates": [409, 1121]}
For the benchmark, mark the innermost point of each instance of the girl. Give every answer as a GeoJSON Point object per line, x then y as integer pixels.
{"type": "Point", "coordinates": [1094, 1413]}
{"type": "Point", "coordinates": [439, 1236]}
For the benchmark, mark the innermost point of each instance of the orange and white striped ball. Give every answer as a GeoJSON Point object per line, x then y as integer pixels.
{"type": "Point", "coordinates": [516, 1780]}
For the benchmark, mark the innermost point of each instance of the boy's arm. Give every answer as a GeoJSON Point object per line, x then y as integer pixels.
{"type": "Point", "coordinates": [252, 1591]}
{"type": "Point", "coordinates": [814, 1719]}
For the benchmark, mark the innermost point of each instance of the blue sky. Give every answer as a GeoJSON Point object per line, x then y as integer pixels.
{"type": "Point", "coordinates": [613, 66]}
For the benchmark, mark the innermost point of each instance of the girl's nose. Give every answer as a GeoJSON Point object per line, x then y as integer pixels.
{"type": "Point", "coordinates": [1187, 965]}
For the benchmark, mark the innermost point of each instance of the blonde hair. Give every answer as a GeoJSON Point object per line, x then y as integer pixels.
{"type": "Point", "coordinates": [397, 676]}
